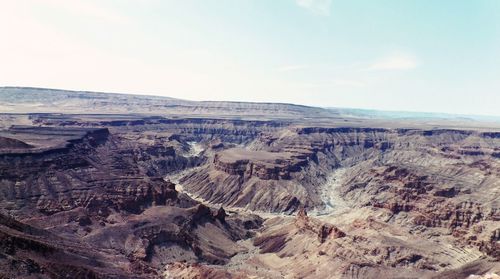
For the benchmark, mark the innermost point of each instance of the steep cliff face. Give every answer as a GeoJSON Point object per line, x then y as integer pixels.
{"type": "Point", "coordinates": [434, 184]}
{"type": "Point", "coordinates": [424, 181]}
{"type": "Point", "coordinates": [381, 202]}
{"type": "Point", "coordinates": [262, 164]}
{"type": "Point", "coordinates": [90, 165]}
{"type": "Point", "coordinates": [298, 161]}
{"type": "Point", "coordinates": [279, 171]}
{"type": "Point", "coordinates": [99, 190]}
{"type": "Point", "coordinates": [243, 178]}
{"type": "Point", "coordinates": [227, 131]}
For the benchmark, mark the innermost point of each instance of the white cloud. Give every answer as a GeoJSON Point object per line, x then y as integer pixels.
{"type": "Point", "coordinates": [290, 68]}
{"type": "Point", "coordinates": [320, 7]}
{"type": "Point", "coordinates": [395, 61]}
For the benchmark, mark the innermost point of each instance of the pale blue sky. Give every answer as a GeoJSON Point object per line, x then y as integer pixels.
{"type": "Point", "coordinates": [420, 55]}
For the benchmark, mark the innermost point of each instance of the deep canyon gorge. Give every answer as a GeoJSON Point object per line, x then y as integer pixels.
{"type": "Point", "coordinates": [167, 188]}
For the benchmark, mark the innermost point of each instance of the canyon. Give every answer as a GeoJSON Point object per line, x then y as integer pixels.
{"type": "Point", "coordinates": [166, 188]}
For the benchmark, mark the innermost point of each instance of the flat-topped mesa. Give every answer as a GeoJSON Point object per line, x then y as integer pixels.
{"type": "Point", "coordinates": [262, 164]}
{"type": "Point", "coordinates": [43, 140]}
{"type": "Point", "coordinates": [9, 144]}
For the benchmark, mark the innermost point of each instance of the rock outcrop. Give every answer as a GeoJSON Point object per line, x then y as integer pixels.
{"type": "Point", "coordinates": [93, 198]}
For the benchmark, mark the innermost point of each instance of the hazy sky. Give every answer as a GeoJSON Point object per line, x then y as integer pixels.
{"type": "Point", "coordinates": [421, 55]}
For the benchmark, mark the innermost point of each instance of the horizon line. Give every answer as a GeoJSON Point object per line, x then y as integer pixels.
{"type": "Point", "coordinates": [496, 117]}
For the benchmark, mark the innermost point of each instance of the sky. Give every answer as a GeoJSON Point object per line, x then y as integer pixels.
{"type": "Point", "coordinates": [402, 55]}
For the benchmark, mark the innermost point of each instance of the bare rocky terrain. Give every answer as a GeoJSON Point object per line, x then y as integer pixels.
{"type": "Point", "coordinates": [166, 188]}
